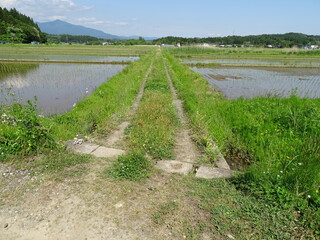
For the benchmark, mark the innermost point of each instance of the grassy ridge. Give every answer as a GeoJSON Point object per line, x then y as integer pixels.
{"type": "Point", "coordinates": [278, 137]}
{"type": "Point", "coordinates": [152, 129]}
{"type": "Point", "coordinates": [244, 52]}
{"type": "Point", "coordinates": [34, 52]}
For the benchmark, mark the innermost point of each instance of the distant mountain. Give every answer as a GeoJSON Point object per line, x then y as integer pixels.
{"type": "Point", "coordinates": [61, 27]}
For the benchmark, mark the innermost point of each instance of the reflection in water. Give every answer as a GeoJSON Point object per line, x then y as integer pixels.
{"type": "Point", "coordinates": [11, 69]}
{"type": "Point", "coordinates": [58, 86]}
{"type": "Point", "coordinates": [252, 82]}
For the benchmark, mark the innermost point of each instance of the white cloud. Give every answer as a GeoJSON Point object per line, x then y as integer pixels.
{"type": "Point", "coordinates": [52, 18]}
{"type": "Point", "coordinates": [43, 10]}
{"type": "Point", "coordinates": [92, 21]}
{"type": "Point", "coordinates": [8, 3]}
{"type": "Point", "coordinates": [121, 23]}
{"type": "Point", "coordinates": [214, 35]}
{"type": "Point", "coordinates": [95, 21]}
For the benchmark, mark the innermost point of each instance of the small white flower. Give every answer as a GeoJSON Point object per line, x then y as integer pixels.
{"type": "Point", "coordinates": [281, 171]}
{"type": "Point", "coordinates": [299, 163]}
{"type": "Point", "coordinates": [308, 196]}
{"type": "Point", "coordinates": [74, 105]}
{"type": "Point", "coordinates": [278, 175]}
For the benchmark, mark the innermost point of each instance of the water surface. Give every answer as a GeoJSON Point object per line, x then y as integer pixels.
{"type": "Point", "coordinates": [57, 86]}
{"type": "Point", "coordinates": [70, 58]}
{"type": "Point", "coordinates": [288, 62]}
{"type": "Point", "coordinates": [252, 82]}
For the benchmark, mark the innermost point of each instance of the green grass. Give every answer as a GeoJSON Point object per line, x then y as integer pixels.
{"type": "Point", "coordinates": [57, 161]}
{"type": "Point", "coordinates": [244, 216]}
{"type": "Point", "coordinates": [278, 138]}
{"type": "Point", "coordinates": [133, 166]}
{"type": "Point", "coordinates": [153, 127]}
{"type": "Point", "coordinates": [163, 211]}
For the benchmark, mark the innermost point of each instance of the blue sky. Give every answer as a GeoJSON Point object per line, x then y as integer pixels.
{"type": "Point", "coordinates": [186, 18]}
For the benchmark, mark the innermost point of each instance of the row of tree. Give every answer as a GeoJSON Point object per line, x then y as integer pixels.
{"type": "Point", "coordinates": [18, 28]}
{"type": "Point", "coordinates": [66, 38]}
{"type": "Point", "coordinates": [83, 39]}
{"type": "Point", "coordinates": [276, 40]}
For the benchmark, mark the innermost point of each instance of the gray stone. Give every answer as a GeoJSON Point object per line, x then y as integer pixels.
{"type": "Point", "coordinates": [209, 172]}
{"type": "Point", "coordinates": [107, 152]}
{"type": "Point", "coordinates": [171, 166]}
{"type": "Point", "coordinates": [85, 148]}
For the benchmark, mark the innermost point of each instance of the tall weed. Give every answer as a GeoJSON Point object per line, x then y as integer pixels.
{"type": "Point", "coordinates": [22, 130]}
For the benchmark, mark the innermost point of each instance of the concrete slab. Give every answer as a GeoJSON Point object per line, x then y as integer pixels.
{"type": "Point", "coordinates": [171, 166]}
{"type": "Point", "coordinates": [85, 148]}
{"type": "Point", "coordinates": [107, 152]}
{"type": "Point", "coordinates": [209, 172]}
{"type": "Point", "coordinates": [222, 163]}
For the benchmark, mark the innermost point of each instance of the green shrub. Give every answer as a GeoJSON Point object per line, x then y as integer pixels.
{"type": "Point", "coordinates": [22, 131]}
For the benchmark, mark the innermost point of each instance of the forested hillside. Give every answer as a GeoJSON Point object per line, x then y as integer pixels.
{"type": "Point", "coordinates": [18, 28]}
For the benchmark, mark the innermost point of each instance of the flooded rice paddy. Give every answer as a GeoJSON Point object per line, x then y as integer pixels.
{"type": "Point", "coordinates": [252, 82]}
{"type": "Point", "coordinates": [70, 58]}
{"type": "Point", "coordinates": [285, 62]}
{"type": "Point", "coordinates": [57, 86]}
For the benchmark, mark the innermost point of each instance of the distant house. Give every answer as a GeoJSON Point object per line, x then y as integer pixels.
{"type": "Point", "coordinates": [105, 43]}
{"type": "Point", "coordinates": [3, 42]}
{"type": "Point", "coordinates": [167, 45]}
{"type": "Point", "coordinates": [34, 42]}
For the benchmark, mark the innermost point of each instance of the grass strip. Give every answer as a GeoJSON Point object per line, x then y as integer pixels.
{"type": "Point", "coordinates": [277, 138]}
{"type": "Point", "coordinates": [243, 52]}
{"type": "Point", "coordinates": [37, 52]}
{"type": "Point", "coordinates": [153, 127]}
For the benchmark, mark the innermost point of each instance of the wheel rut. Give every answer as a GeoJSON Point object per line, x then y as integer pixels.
{"type": "Point", "coordinates": [186, 151]}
